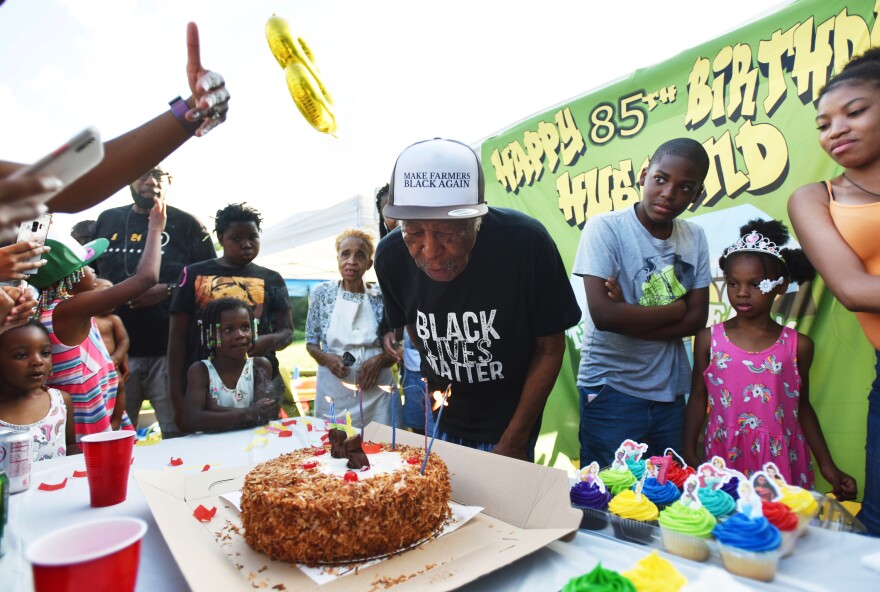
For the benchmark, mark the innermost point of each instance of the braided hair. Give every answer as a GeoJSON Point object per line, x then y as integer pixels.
{"type": "Point", "coordinates": [59, 290]}
{"type": "Point", "coordinates": [794, 264]}
{"type": "Point", "coordinates": [209, 324]}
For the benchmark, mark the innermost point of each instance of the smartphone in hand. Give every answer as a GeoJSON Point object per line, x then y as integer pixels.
{"type": "Point", "coordinates": [36, 231]}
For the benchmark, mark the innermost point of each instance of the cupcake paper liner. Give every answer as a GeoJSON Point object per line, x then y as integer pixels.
{"type": "Point", "coordinates": [757, 566]}
{"type": "Point", "coordinates": [685, 545]}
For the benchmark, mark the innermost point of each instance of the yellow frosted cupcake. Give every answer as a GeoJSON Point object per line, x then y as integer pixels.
{"type": "Point", "coordinates": [636, 516]}
{"type": "Point", "coordinates": [655, 574]}
{"type": "Point", "coordinates": [802, 503]}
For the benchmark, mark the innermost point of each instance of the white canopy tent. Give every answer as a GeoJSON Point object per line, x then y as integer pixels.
{"type": "Point", "coordinates": [302, 246]}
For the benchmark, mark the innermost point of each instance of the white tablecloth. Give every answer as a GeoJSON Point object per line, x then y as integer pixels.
{"type": "Point", "coordinates": [823, 561]}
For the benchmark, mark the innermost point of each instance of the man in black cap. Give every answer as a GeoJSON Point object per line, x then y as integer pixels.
{"type": "Point", "coordinates": [483, 293]}
{"type": "Point", "coordinates": [146, 317]}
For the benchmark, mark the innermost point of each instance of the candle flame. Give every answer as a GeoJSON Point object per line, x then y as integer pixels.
{"type": "Point", "coordinates": [441, 398]}
{"type": "Point", "coordinates": [349, 386]}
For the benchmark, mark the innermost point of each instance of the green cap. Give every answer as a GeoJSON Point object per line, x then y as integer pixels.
{"type": "Point", "coordinates": [66, 256]}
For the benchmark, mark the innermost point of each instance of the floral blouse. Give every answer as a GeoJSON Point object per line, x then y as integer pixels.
{"type": "Point", "coordinates": [322, 302]}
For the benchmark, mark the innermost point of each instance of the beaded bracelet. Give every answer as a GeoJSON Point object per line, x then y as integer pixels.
{"type": "Point", "coordinates": [179, 109]}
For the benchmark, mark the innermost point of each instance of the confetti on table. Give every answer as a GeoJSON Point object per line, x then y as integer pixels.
{"type": "Point", "coordinates": [285, 434]}
{"type": "Point", "coordinates": [257, 442]}
{"type": "Point", "coordinates": [288, 422]}
{"type": "Point", "coordinates": [79, 474]}
{"type": "Point", "coordinates": [176, 462]}
{"type": "Point", "coordinates": [203, 514]}
{"type": "Point", "coordinates": [261, 431]}
{"type": "Point", "coordinates": [52, 487]}
{"type": "Point", "coordinates": [205, 468]}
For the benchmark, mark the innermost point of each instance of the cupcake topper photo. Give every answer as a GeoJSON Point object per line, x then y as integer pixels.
{"type": "Point", "coordinates": [773, 472]}
{"type": "Point", "coordinates": [689, 497]}
{"type": "Point", "coordinates": [765, 487]}
{"type": "Point", "coordinates": [590, 475]}
{"type": "Point", "coordinates": [634, 450]}
{"type": "Point", "coordinates": [675, 456]}
{"type": "Point", "coordinates": [709, 477]}
{"type": "Point", "coordinates": [661, 464]}
{"type": "Point", "coordinates": [619, 462]}
{"type": "Point", "coordinates": [748, 503]}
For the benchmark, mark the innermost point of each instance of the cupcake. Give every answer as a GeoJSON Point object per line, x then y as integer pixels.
{"type": "Point", "coordinates": [636, 516]}
{"type": "Point", "coordinates": [749, 546]}
{"type": "Point", "coordinates": [600, 579]}
{"type": "Point", "coordinates": [590, 498]}
{"type": "Point", "coordinates": [660, 495]}
{"type": "Point", "coordinates": [678, 474]}
{"type": "Point", "coordinates": [655, 574]}
{"type": "Point", "coordinates": [720, 504]}
{"type": "Point", "coordinates": [801, 503]}
{"type": "Point", "coordinates": [730, 487]}
{"type": "Point", "coordinates": [636, 467]}
{"type": "Point", "coordinates": [781, 516]}
{"type": "Point", "coordinates": [685, 530]}
{"type": "Point", "coordinates": [617, 481]}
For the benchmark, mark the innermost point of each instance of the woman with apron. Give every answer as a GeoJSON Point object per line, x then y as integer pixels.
{"type": "Point", "coordinates": [342, 336]}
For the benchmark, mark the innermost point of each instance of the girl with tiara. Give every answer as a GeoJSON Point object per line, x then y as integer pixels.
{"type": "Point", "coordinates": [752, 372]}
{"type": "Point", "coordinates": [227, 389]}
{"type": "Point", "coordinates": [68, 304]}
{"type": "Point", "coordinates": [837, 220]}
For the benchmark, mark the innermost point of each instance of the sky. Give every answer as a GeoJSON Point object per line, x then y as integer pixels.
{"type": "Point", "coordinates": [399, 72]}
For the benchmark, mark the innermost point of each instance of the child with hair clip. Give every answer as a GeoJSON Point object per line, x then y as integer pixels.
{"type": "Point", "coordinates": [226, 389]}
{"type": "Point", "coordinates": [753, 373]}
{"type": "Point", "coordinates": [25, 401]}
{"type": "Point", "coordinates": [81, 364]}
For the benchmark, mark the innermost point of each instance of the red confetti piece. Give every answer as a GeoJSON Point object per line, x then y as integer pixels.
{"type": "Point", "coordinates": [310, 465]}
{"type": "Point", "coordinates": [55, 487]}
{"type": "Point", "coordinates": [325, 437]}
{"type": "Point", "coordinates": [205, 468]}
{"type": "Point", "coordinates": [308, 427]}
{"type": "Point", "coordinates": [413, 460]}
{"type": "Point", "coordinates": [79, 474]}
{"type": "Point", "coordinates": [285, 434]}
{"type": "Point", "coordinates": [320, 452]}
{"type": "Point", "coordinates": [176, 462]}
{"type": "Point", "coordinates": [371, 448]}
{"type": "Point", "coordinates": [203, 514]}
{"type": "Point", "coordinates": [288, 422]}
{"type": "Point", "coordinates": [350, 477]}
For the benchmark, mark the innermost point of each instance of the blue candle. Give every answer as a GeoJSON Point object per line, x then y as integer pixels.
{"type": "Point", "coordinates": [434, 433]}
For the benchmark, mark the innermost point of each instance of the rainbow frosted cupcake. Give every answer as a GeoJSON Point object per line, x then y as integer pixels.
{"type": "Point", "coordinates": [636, 516]}
{"type": "Point", "coordinates": [685, 530]}
{"type": "Point", "coordinates": [749, 546]}
{"type": "Point", "coordinates": [600, 579]}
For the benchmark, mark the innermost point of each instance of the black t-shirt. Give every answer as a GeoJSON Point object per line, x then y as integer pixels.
{"type": "Point", "coordinates": [262, 289]}
{"type": "Point", "coordinates": [184, 241]}
{"type": "Point", "coordinates": [478, 331]}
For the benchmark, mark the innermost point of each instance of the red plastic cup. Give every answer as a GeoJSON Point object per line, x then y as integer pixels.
{"type": "Point", "coordinates": [95, 556]}
{"type": "Point", "coordinates": [108, 460]}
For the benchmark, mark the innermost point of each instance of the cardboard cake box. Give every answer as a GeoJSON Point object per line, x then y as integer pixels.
{"type": "Point", "coordinates": [525, 507]}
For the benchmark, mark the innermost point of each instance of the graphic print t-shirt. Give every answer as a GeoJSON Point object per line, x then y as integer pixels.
{"type": "Point", "coordinates": [262, 289]}
{"type": "Point", "coordinates": [651, 272]}
{"type": "Point", "coordinates": [478, 331]}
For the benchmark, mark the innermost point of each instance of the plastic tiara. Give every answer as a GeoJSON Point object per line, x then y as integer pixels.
{"type": "Point", "coordinates": [754, 242]}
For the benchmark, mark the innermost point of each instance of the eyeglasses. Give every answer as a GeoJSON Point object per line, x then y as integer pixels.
{"type": "Point", "coordinates": [155, 174]}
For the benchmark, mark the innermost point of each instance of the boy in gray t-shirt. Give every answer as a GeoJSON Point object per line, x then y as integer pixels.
{"type": "Point", "coordinates": [646, 277]}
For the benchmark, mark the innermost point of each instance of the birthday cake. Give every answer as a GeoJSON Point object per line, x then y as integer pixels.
{"type": "Point", "coordinates": [309, 507]}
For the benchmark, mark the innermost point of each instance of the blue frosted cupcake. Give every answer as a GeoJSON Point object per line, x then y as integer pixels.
{"type": "Point", "coordinates": [660, 495]}
{"type": "Point", "coordinates": [749, 546]}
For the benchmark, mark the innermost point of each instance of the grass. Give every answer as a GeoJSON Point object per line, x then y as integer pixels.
{"type": "Point", "coordinates": [296, 356]}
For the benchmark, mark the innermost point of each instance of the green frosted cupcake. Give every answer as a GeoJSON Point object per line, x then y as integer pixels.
{"type": "Point", "coordinates": [685, 530]}
{"type": "Point", "coordinates": [617, 481]}
{"type": "Point", "coordinates": [600, 580]}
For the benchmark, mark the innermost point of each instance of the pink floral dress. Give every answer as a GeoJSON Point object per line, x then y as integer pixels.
{"type": "Point", "coordinates": [753, 407]}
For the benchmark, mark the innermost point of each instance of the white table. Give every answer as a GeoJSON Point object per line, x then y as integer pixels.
{"type": "Point", "coordinates": [823, 561]}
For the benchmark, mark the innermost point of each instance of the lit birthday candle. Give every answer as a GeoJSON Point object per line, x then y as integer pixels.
{"type": "Point", "coordinates": [330, 400]}
{"type": "Point", "coordinates": [357, 387]}
{"type": "Point", "coordinates": [391, 389]}
{"type": "Point", "coordinates": [440, 403]}
{"type": "Point", "coordinates": [427, 410]}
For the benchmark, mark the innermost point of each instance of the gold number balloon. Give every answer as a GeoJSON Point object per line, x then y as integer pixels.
{"type": "Point", "coordinates": [303, 80]}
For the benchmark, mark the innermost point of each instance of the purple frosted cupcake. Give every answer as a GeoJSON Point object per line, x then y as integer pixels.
{"type": "Point", "coordinates": [590, 498]}
{"type": "Point", "coordinates": [730, 487]}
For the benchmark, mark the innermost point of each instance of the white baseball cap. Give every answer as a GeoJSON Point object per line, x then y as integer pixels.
{"type": "Point", "coordinates": [436, 180]}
